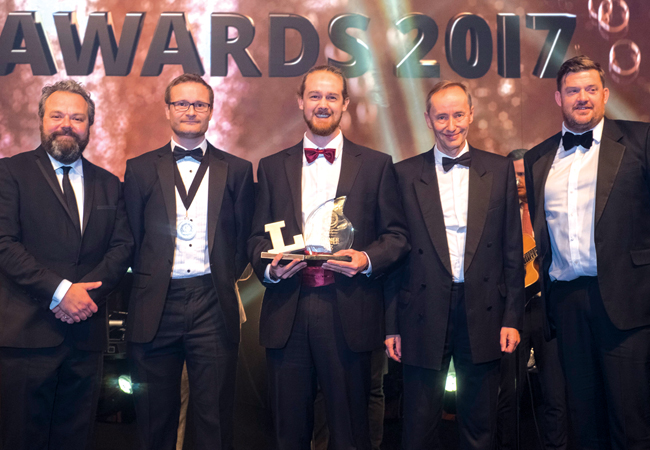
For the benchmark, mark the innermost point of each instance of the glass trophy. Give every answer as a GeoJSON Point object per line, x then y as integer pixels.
{"type": "Point", "coordinates": [326, 232]}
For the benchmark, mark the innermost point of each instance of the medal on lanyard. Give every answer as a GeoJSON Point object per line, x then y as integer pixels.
{"type": "Point", "coordinates": [186, 229]}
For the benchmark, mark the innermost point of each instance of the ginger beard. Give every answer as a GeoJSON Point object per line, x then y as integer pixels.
{"type": "Point", "coordinates": [321, 114]}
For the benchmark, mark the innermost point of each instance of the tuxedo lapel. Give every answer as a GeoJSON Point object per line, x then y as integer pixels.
{"type": "Point", "coordinates": [165, 169]}
{"type": "Point", "coordinates": [480, 188]}
{"type": "Point", "coordinates": [428, 195]}
{"type": "Point", "coordinates": [293, 169]}
{"type": "Point", "coordinates": [609, 160]}
{"type": "Point", "coordinates": [218, 175]}
{"type": "Point", "coordinates": [89, 191]}
{"type": "Point", "coordinates": [350, 165]}
{"type": "Point", "coordinates": [45, 166]}
{"type": "Point", "coordinates": [541, 168]}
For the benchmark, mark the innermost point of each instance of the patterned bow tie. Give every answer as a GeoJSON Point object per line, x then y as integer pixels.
{"type": "Point", "coordinates": [180, 153]}
{"type": "Point", "coordinates": [464, 160]}
{"type": "Point", "coordinates": [312, 153]}
{"type": "Point", "coordinates": [570, 140]}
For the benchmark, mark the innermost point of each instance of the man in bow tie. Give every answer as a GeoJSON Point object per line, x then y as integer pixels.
{"type": "Point", "coordinates": [321, 323]}
{"type": "Point", "coordinates": [589, 200]}
{"type": "Point", "coordinates": [190, 207]}
{"type": "Point", "coordinates": [460, 293]}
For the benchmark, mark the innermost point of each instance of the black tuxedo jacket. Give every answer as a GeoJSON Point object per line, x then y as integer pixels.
{"type": "Point", "coordinates": [150, 196]}
{"type": "Point", "coordinates": [621, 222]}
{"type": "Point", "coordinates": [368, 180]}
{"type": "Point", "coordinates": [40, 246]}
{"type": "Point", "coordinates": [418, 296]}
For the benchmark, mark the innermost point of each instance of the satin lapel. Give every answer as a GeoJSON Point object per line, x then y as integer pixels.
{"type": "Point", "coordinates": [45, 166]}
{"type": "Point", "coordinates": [165, 169]}
{"type": "Point", "coordinates": [218, 175]}
{"type": "Point", "coordinates": [428, 195]}
{"type": "Point", "coordinates": [609, 160]}
{"type": "Point", "coordinates": [293, 168]}
{"type": "Point", "coordinates": [89, 191]}
{"type": "Point", "coordinates": [350, 165]}
{"type": "Point", "coordinates": [480, 188]}
{"type": "Point", "coordinates": [541, 168]}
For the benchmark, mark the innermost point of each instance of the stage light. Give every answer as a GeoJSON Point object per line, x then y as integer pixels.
{"type": "Point", "coordinates": [125, 384]}
{"type": "Point", "coordinates": [450, 385]}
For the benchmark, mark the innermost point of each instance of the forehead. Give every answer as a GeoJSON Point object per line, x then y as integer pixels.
{"type": "Point", "coordinates": [450, 99]}
{"type": "Point", "coordinates": [519, 165]}
{"type": "Point", "coordinates": [190, 91]}
{"type": "Point", "coordinates": [67, 102]}
{"type": "Point", "coordinates": [324, 81]}
{"type": "Point", "coordinates": [584, 78]}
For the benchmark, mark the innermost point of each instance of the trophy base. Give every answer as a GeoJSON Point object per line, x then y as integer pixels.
{"type": "Point", "coordinates": [290, 256]}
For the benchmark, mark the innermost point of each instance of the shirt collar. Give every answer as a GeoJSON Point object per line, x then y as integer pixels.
{"type": "Point", "coordinates": [77, 166]}
{"type": "Point", "coordinates": [203, 145]}
{"type": "Point", "coordinates": [336, 143]}
{"type": "Point", "coordinates": [439, 155]}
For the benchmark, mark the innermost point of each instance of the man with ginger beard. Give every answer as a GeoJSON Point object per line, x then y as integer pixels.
{"type": "Point", "coordinates": [64, 245]}
{"type": "Point", "coordinates": [589, 201]}
{"type": "Point", "coordinates": [321, 323]}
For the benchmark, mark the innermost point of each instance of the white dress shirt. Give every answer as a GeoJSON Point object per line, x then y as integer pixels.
{"type": "Point", "coordinates": [192, 258]}
{"type": "Point", "coordinates": [454, 194]}
{"type": "Point", "coordinates": [319, 182]}
{"type": "Point", "coordinates": [76, 176]}
{"type": "Point", "coordinates": [569, 206]}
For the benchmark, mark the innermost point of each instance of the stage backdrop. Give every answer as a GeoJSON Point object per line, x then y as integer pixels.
{"type": "Point", "coordinates": [253, 53]}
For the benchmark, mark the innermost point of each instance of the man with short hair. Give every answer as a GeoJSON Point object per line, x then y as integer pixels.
{"type": "Point", "coordinates": [589, 199]}
{"type": "Point", "coordinates": [64, 246]}
{"type": "Point", "coordinates": [189, 206]}
{"type": "Point", "coordinates": [460, 293]}
{"type": "Point", "coordinates": [321, 323]}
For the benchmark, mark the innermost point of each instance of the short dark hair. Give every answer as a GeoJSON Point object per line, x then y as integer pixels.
{"type": "Point", "coordinates": [188, 78]}
{"type": "Point", "coordinates": [446, 84]}
{"type": "Point", "coordinates": [324, 68]}
{"type": "Point", "coordinates": [577, 64]}
{"type": "Point", "coordinates": [66, 86]}
{"type": "Point", "coordinates": [517, 154]}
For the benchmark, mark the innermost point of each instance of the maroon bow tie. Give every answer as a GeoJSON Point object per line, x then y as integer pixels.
{"type": "Point", "coordinates": [312, 153]}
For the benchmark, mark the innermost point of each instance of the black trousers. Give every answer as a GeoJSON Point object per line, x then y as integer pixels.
{"type": "Point", "coordinates": [192, 330]}
{"type": "Point", "coordinates": [48, 397]}
{"type": "Point", "coordinates": [553, 418]}
{"type": "Point", "coordinates": [316, 352]}
{"type": "Point", "coordinates": [476, 396]}
{"type": "Point", "coordinates": [607, 370]}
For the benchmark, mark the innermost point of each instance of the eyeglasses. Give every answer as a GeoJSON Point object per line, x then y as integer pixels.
{"type": "Point", "coordinates": [183, 105]}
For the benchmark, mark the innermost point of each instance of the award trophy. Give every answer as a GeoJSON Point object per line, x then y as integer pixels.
{"type": "Point", "coordinates": [327, 231]}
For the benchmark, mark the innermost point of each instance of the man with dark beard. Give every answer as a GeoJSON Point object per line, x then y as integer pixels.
{"type": "Point", "coordinates": [190, 206]}
{"type": "Point", "coordinates": [321, 323]}
{"type": "Point", "coordinates": [64, 245]}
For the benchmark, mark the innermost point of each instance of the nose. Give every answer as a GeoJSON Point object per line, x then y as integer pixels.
{"type": "Point", "coordinates": [451, 126]}
{"type": "Point", "coordinates": [582, 95]}
{"type": "Point", "coordinates": [65, 123]}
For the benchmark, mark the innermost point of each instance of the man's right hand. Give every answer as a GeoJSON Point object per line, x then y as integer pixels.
{"type": "Point", "coordinates": [77, 304]}
{"type": "Point", "coordinates": [282, 272]}
{"type": "Point", "coordinates": [393, 345]}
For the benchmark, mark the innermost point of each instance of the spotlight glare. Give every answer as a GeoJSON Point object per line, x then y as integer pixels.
{"type": "Point", "coordinates": [125, 384]}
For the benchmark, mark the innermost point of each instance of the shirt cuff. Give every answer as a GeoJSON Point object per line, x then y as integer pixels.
{"type": "Point", "coordinates": [368, 270]}
{"type": "Point", "coordinates": [60, 293]}
{"type": "Point", "coordinates": [267, 275]}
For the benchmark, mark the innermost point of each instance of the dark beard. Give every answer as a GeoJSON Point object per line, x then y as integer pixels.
{"type": "Point", "coordinates": [321, 131]}
{"type": "Point", "coordinates": [64, 152]}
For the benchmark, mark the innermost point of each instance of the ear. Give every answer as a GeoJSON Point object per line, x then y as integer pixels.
{"type": "Point", "coordinates": [167, 112]}
{"type": "Point", "coordinates": [471, 114]}
{"type": "Point", "coordinates": [301, 104]}
{"type": "Point", "coordinates": [428, 120]}
{"type": "Point", "coordinates": [606, 94]}
{"type": "Point", "coordinates": [558, 98]}
{"type": "Point", "coordinates": [346, 102]}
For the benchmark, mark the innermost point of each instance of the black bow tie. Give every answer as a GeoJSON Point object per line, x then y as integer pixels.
{"type": "Point", "coordinates": [570, 140]}
{"type": "Point", "coordinates": [464, 160]}
{"type": "Point", "coordinates": [180, 153]}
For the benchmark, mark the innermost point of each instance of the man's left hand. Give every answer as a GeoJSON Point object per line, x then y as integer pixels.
{"type": "Point", "coordinates": [358, 264]}
{"type": "Point", "coordinates": [509, 339]}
